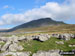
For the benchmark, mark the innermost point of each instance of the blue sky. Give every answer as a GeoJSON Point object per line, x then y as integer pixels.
{"type": "Point", "coordinates": [15, 12]}
{"type": "Point", "coordinates": [16, 5]}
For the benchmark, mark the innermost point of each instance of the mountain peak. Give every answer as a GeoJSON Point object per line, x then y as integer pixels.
{"type": "Point", "coordinates": [46, 19]}
{"type": "Point", "coordinates": [38, 23]}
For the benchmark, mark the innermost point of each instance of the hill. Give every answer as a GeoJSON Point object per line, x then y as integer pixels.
{"type": "Point", "coordinates": [37, 23]}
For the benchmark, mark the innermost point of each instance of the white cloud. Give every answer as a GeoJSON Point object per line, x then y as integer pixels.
{"type": "Point", "coordinates": [53, 10]}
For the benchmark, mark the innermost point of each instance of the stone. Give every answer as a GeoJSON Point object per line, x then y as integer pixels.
{"type": "Point", "coordinates": [29, 38]}
{"type": "Point", "coordinates": [59, 42]}
{"type": "Point", "coordinates": [15, 53]}
{"type": "Point", "coordinates": [35, 37]}
{"type": "Point", "coordinates": [55, 35]}
{"type": "Point", "coordinates": [71, 45]}
{"type": "Point", "coordinates": [47, 53]}
{"type": "Point", "coordinates": [72, 35]}
{"type": "Point", "coordinates": [15, 47]}
{"type": "Point", "coordinates": [20, 48]}
{"type": "Point", "coordinates": [14, 38]}
{"type": "Point", "coordinates": [23, 53]}
{"type": "Point", "coordinates": [4, 39]}
{"type": "Point", "coordinates": [65, 36]}
{"type": "Point", "coordinates": [9, 53]}
{"type": "Point", "coordinates": [5, 47]}
{"type": "Point", "coordinates": [21, 38]}
{"type": "Point", "coordinates": [43, 37]}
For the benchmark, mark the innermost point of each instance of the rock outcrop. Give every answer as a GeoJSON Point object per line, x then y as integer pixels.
{"type": "Point", "coordinates": [11, 43]}
{"type": "Point", "coordinates": [11, 46]}
{"type": "Point", "coordinates": [64, 36]}
{"type": "Point", "coordinates": [6, 46]}
{"type": "Point", "coordinates": [47, 53]}
{"type": "Point", "coordinates": [15, 53]}
{"type": "Point", "coordinates": [39, 53]}
{"type": "Point", "coordinates": [15, 47]}
{"type": "Point", "coordinates": [42, 37]}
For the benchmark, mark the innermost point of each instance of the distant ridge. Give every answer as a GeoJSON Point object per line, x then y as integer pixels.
{"type": "Point", "coordinates": [38, 23]}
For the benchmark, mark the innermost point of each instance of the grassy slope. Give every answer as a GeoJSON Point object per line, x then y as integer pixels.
{"type": "Point", "coordinates": [51, 29]}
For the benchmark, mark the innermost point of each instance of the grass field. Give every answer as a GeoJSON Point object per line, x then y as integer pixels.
{"type": "Point", "coordinates": [50, 44]}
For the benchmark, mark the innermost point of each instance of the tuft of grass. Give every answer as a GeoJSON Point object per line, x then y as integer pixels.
{"type": "Point", "coordinates": [2, 43]}
{"type": "Point", "coordinates": [9, 55]}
